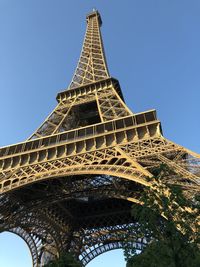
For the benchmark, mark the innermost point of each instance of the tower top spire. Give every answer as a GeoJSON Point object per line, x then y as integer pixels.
{"type": "Point", "coordinates": [94, 13]}
{"type": "Point", "coordinates": [92, 65]}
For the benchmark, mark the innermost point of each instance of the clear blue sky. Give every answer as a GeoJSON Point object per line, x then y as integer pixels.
{"type": "Point", "coordinates": [152, 47]}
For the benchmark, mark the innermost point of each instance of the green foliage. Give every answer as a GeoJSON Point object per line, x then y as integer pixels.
{"type": "Point", "coordinates": [169, 222]}
{"type": "Point", "coordinates": [161, 254]}
{"type": "Point", "coordinates": [65, 260]}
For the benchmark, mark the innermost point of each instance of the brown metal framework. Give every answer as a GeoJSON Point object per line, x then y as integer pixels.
{"type": "Point", "coordinates": [71, 185]}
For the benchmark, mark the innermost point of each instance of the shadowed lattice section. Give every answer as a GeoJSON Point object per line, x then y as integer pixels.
{"type": "Point", "coordinates": [31, 242]}
{"type": "Point", "coordinates": [92, 63]}
{"type": "Point", "coordinates": [98, 250]}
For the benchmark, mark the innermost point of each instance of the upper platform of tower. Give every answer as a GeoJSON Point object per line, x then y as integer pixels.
{"type": "Point", "coordinates": [92, 66]}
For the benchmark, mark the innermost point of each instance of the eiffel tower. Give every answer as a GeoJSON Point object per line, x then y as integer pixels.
{"type": "Point", "coordinates": [71, 185]}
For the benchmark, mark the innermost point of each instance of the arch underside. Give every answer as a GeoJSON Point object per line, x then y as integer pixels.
{"type": "Point", "coordinates": [55, 193]}
{"type": "Point", "coordinates": [87, 255]}
{"type": "Point", "coordinates": [31, 243]}
{"type": "Point", "coordinates": [94, 252]}
{"type": "Point", "coordinates": [87, 237]}
{"type": "Point", "coordinates": [36, 236]}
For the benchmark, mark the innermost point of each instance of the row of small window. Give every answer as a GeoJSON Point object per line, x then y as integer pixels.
{"type": "Point", "coordinates": [81, 133]}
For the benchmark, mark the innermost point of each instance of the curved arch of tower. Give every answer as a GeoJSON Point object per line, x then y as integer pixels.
{"type": "Point", "coordinates": [71, 185]}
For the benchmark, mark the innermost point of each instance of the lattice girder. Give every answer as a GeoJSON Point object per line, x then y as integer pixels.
{"type": "Point", "coordinates": [95, 151]}
{"type": "Point", "coordinates": [100, 162]}
{"type": "Point", "coordinates": [29, 241]}
{"type": "Point", "coordinates": [50, 216]}
{"type": "Point", "coordinates": [105, 94]}
{"type": "Point", "coordinates": [82, 155]}
{"type": "Point", "coordinates": [38, 232]}
{"type": "Point", "coordinates": [92, 65]}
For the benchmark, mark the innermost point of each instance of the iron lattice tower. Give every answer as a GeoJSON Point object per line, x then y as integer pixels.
{"type": "Point", "coordinates": [70, 186]}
